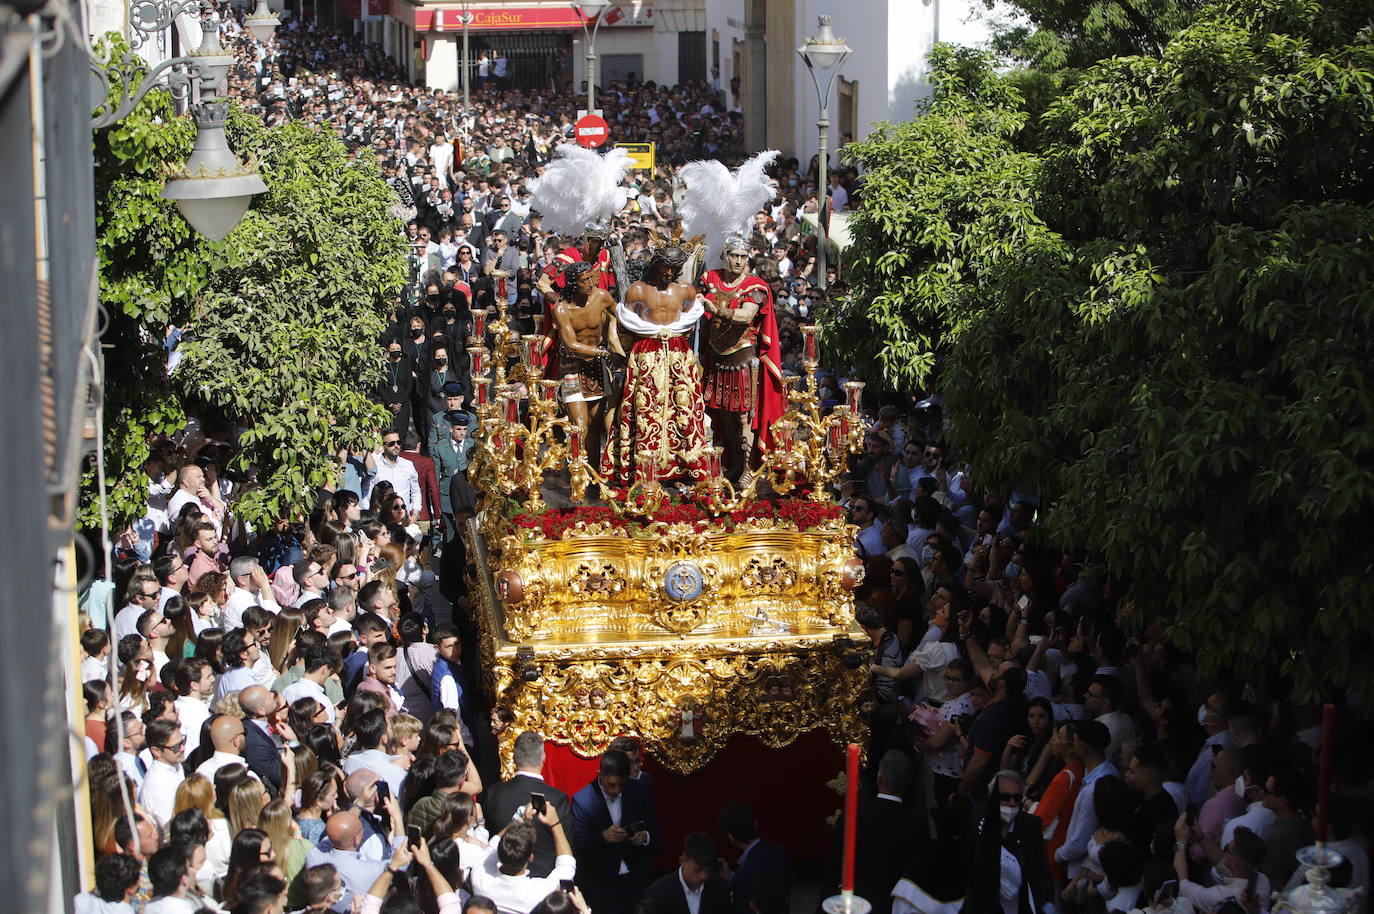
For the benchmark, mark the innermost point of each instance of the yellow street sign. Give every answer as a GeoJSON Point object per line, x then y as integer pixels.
{"type": "Point", "coordinates": [641, 155]}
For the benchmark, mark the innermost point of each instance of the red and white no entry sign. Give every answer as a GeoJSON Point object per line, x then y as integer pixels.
{"type": "Point", "coordinates": [591, 131]}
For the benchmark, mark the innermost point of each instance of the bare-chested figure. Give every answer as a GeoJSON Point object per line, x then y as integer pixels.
{"type": "Point", "coordinates": [585, 320]}
{"type": "Point", "coordinates": [659, 428]}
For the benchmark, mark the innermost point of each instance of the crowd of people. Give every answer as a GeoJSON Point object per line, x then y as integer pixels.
{"type": "Point", "coordinates": [290, 718]}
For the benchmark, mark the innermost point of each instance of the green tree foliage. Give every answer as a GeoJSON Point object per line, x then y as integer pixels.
{"type": "Point", "coordinates": [1159, 320]}
{"type": "Point", "coordinates": [1074, 34]}
{"type": "Point", "coordinates": [286, 310]}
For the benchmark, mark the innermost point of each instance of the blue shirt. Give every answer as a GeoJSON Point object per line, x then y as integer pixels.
{"type": "Point", "coordinates": [354, 668]}
{"type": "Point", "coordinates": [356, 874]}
{"type": "Point", "coordinates": [452, 674]}
{"type": "Point", "coordinates": [1084, 821]}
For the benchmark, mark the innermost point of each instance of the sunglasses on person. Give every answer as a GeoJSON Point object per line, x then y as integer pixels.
{"type": "Point", "coordinates": [1010, 798]}
{"type": "Point", "coordinates": [391, 442]}
{"type": "Point", "coordinates": [174, 747]}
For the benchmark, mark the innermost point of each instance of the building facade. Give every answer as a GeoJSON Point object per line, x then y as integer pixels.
{"type": "Point", "coordinates": [753, 44]}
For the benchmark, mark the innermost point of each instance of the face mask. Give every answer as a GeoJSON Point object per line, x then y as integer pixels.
{"type": "Point", "coordinates": [417, 333]}
{"type": "Point", "coordinates": [1008, 813]}
{"type": "Point", "coordinates": [927, 555]}
{"type": "Point", "coordinates": [394, 356]}
{"type": "Point", "coordinates": [143, 675]}
{"type": "Point", "coordinates": [1240, 786]}
{"type": "Point", "coordinates": [450, 314]}
{"type": "Point", "coordinates": [1202, 714]}
{"type": "Point", "coordinates": [440, 363]}
{"type": "Point", "coordinates": [1012, 572]}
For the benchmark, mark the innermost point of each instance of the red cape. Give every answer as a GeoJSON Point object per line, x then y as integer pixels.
{"type": "Point", "coordinates": [772, 403]}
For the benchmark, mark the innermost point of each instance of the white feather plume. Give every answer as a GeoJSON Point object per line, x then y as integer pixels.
{"type": "Point", "coordinates": [717, 202]}
{"type": "Point", "coordinates": [580, 188]}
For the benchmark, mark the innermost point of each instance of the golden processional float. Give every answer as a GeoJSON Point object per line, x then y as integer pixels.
{"type": "Point", "coordinates": [681, 616]}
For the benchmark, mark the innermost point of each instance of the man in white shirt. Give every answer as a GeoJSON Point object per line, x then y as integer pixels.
{"type": "Point", "coordinates": [172, 873]}
{"type": "Point", "coordinates": [159, 790]}
{"type": "Point", "coordinates": [144, 598]}
{"type": "Point", "coordinates": [240, 652]}
{"type": "Point", "coordinates": [250, 588]}
{"type": "Point", "coordinates": [1102, 701]}
{"type": "Point", "coordinates": [227, 736]}
{"type": "Point", "coordinates": [370, 733]}
{"type": "Point", "coordinates": [1241, 859]}
{"type": "Point", "coordinates": [312, 578]}
{"type": "Point", "coordinates": [195, 683]}
{"type": "Point", "coordinates": [863, 511]}
{"type": "Point", "coordinates": [319, 665]}
{"type": "Point", "coordinates": [398, 471]}
{"type": "Point", "coordinates": [129, 747]}
{"type": "Point", "coordinates": [191, 489]}
{"type": "Point", "coordinates": [694, 884]}
{"type": "Point", "coordinates": [504, 875]}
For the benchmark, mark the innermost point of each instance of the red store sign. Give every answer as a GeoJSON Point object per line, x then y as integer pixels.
{"type": "Point", "coordinates": [507, 19]}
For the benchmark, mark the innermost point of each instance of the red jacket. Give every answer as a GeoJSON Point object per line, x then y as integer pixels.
{"type": "Point", "coordinates": [429, 507]}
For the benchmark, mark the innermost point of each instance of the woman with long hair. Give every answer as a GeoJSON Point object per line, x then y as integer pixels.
{"type": "Point", "coordinates": [184, 529]}
{"type": "Point", "coordinates": [208, 645]}
{"type": "Point", "coordinates": [285, 627]}
{"type": "Point", "coordinates": [304, 714]}
{"type": "Point", "coordinates": [246, 799]}
{"type": "Point", "coordinates": [181, 641]}
{"type": "Point", "coordinates": [196, 792]}
{"type": "Point", "coordinates": [907, 606]}
{"type": "Point", "coordinates": [276, 820]}
{"type": "Point", "coordinates": [1024, 751]}
{"type": "Point", "coordinates": [326, 743]}
{"type": "Point", "coordinates": [319, 799]}
{"type": "Point", "coordinates": [252, 848]}
{"type": "Point", "coordinates": [1055, 808]}
{"type": "Point", "coordinates": [346, 548]}
{"type": "Point", "coordinates": [380, 498]}
{"type": "Point", "coordinates": [96, 694]}
{"type": "Point", "coordinates": [460, 821]}
{"type": "Point", "coordinates": [137, 659]}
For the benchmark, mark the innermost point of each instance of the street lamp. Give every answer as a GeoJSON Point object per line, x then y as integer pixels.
{"type": "Point", "coordinates": [467, 64]}
{"type": "Point", "coordinates": [213, 189]}
{"type": "Point", "coordinates": [262, 22]}
{"type": "Point", "coordinates": [591, 11]}
{"type": "Point", "coordinates": [823, 53]}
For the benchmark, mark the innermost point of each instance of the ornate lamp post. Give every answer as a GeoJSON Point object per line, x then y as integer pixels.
{"type": "Point", "coordinates": [213, 189]}
{"type": "Point", "coordinates": [591, 11]}
{"type": "Point", "coordinates": [823, 53]}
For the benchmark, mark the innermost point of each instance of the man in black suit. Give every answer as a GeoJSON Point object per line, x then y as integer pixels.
{"type": "Point", "coordinates": [1007, 827]}
{"type": "Point", "coordinates": [505, 802]}
{"type": "Point", "coordinates": [616, 836]}
{"type": "Point", "coordinates": [884, 837]}
{"type": "Point", "coordinates": [260, 751]}
{"type": "Point", "coordinates": [694, 887]}
{"type": "Point", "coordinates": [635, 752]}
{"type": "Point", "coordinates": [760, 861]}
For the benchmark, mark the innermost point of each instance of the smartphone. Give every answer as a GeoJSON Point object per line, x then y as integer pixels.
{"type": "Point", "coordinates": [987, 539]}
{"type": "Point", "coordinates": [1168, 891]}
{"type": "Point", "coordinates": [635, 829]}
{"type": "Point", "coordinates": [1023, 602]}
{"type": "Point", "coordinates": [383, 791]}
{"type": "Point", "coordinates": [567, 885]}
{"type": "Point", "coordinates": [413, 835]}
{"type": "Point", "coordinates": [539, 803]}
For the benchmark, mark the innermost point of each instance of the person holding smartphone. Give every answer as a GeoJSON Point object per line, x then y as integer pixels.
{"type": "Point", "coordinates": [504, 875]}
{"type": "Point", "coordinates": [506, 801]}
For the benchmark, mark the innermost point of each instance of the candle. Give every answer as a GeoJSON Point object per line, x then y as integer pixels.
{"type": "Point", "coordinates": [851, 818]}
{"type": "Point", "coordinates": [844, 425]}
{"type": "Point", "coordinates": [809, 336]}
{"type": "Point", "coordinates": [853, 390]}
{"type": "Point", "coordinates": [574, 444]}
{"type": "Point", "coordinates": [534, 350]}
{"type": "Point", "coordinates": [512, 409]}
{"type": "Point", "coordinates": [834, 438]}
{"type": "Point", "coordinates": [496, 440]}
{"type": "Point", "coordinates": [713, 462]}
{"type": "Point", "coordinates": [1324, 785]}
{"type": "Point", "coordinates": [479, 323]}
{"type": "Point", "coordinates": [478, 356]}
{"type": "Point", "coordinates": [482, 389]}
{"type": "Point", "coordinates": [548, 391]}
{"type": "Point", "coordinates": [785, 436]}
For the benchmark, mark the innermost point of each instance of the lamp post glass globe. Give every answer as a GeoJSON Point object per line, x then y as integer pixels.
{"type": "Point", "coordinates": [823, 49]}
{"type": "Point", "coordinates": [590, 8]}
{"type": "Point", "coordinates": [262, 23]}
